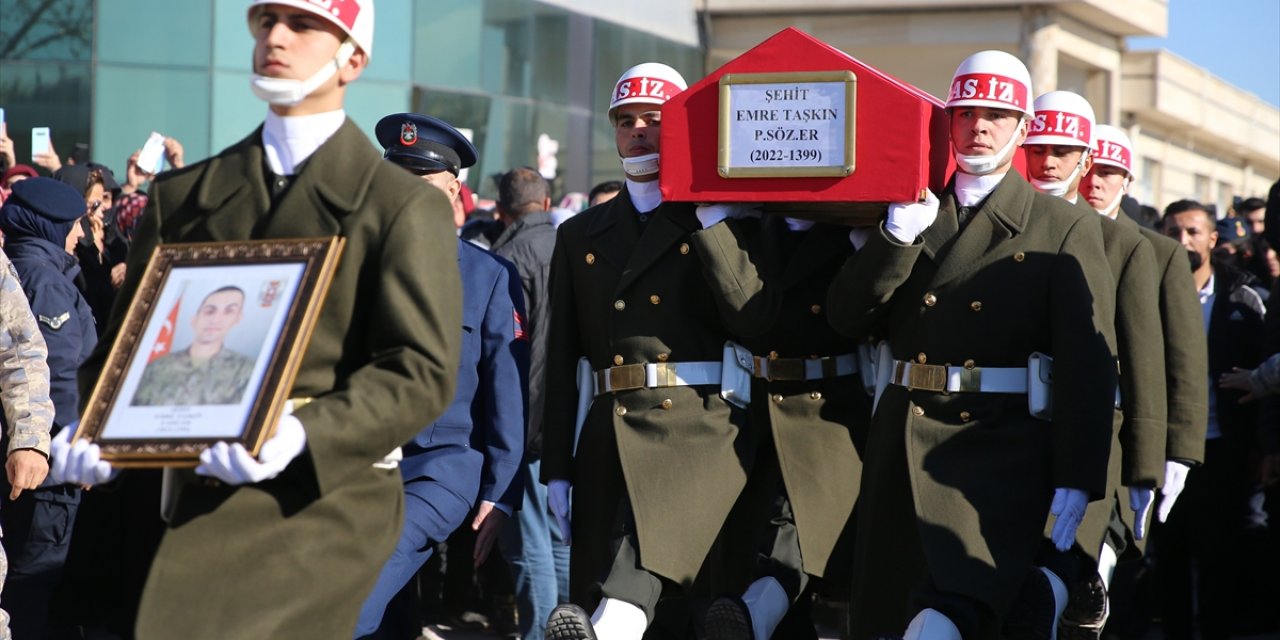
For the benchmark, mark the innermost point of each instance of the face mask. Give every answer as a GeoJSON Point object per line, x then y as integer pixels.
{"type": "Point", "coordinates": [641, 165]}
{"type": "Point", "coordinates": [1058, 188]}
{"type": "Point", "coordinates": [286, 93]}
{"type": "Point", "coordinates": [1115, 202]}
{"type": "Point", "coordinates": [983, 165]}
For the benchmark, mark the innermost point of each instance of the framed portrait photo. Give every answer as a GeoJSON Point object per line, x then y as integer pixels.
{"type": "Point", "coordinates": [209, 349]}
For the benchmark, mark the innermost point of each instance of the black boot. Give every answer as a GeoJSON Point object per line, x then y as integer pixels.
{"type": "Point", "coordinates": [569, 622]}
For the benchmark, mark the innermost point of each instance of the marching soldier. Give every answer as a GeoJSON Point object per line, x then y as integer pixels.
{"type": "Point", "coordinates": [660, 459]}
{"type": "Point", "coordinates": [1059, 154]}
{"type": "Point", "coordinates": [972, 294]}
{"type": "Point", "coordinates": [770, 277]}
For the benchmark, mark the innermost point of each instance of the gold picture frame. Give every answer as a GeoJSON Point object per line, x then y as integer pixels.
{"type": "Point", "coordinates": [844, 168]}
{"type": "Point", "coordinates": [156, 404]}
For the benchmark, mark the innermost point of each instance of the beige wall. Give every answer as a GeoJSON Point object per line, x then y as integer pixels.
{"type": "Point", "coordinates": [1191, 128]}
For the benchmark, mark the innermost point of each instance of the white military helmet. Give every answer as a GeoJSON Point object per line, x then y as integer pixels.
{"type": "Point", "coordinates": [354, 17]}
{"type": "Point", "coordinates": [1112, 147]}
{"type": "Point", "coordinates": [991, 79]}
{"type": "Point", "coordinates": [1062, 118]}
{"type": "Point", "coordinates": [649, 82]}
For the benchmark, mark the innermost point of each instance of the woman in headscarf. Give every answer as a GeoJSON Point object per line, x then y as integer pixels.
{"type": "Point", "coordinates": [40, 224]}
{"type": "Point", "coordinates": [98, 250]}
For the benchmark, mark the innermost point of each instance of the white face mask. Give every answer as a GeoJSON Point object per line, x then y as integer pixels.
{"type": "Point", "coordinates": [983, 165]}
{"type": "Point", "coordinates": [286, 92]}
{"type": "Point", "coordinates": [644, 165]}
{"type": "Point", "coordinates": [1059, 188]}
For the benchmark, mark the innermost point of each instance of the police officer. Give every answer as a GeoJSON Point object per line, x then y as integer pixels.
{"type": "Point", "coordinates": [1059, 153]}
{"type": "Point", "coordinates": [959, 478]}
{"type": "Point", "coordinates": [39, 221]}
{"type": "Point", "coordinates": [472, 453]}
{"type": "Point", "coordinates": [659, 462]}
{"type": "Point", "coordinates": [770, 276]}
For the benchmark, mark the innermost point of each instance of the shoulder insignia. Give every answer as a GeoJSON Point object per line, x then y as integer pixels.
{"type": "Point", "coordinates": [56, 322]}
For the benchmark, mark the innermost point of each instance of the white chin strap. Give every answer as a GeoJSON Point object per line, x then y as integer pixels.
{"type": "Point", "coordinates": [286, 93]}
{"type": "Point", "coordinates": [983, 165]}
{"type": "Point", "coordinates": [644, 165]}
{"type": "Point", "coordinates": [1059, 188]}
{"type": "Point", "coordinates": [1115, 202]}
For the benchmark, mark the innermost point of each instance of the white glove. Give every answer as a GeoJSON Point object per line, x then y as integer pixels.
{"type": "Point", "coordinates": [1175, 478]}
{"type": "Point", "coordinates": [907, 220]}
{"type": "Point", "coordinates": [558, 500]}
{"type": "Point", "coordinates": [1140, 500]}
{"type": "Point", "coordinates": [709, 214]}
{"type": "Point", "coordinates": [1068, 507]}
{"type": "Point", "coordinates": [858, 237]}
{"type": "Point", "coordinates": [233, 465]}
{"type": "Point", "coordinates": [79, 464]}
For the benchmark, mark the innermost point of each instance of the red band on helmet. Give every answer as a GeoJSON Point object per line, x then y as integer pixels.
{"type": "Point", "coordinates": [645, 87]}
{"type": "Point", "coordinates": [344, 11]}
{"type": "Point", "coordinates": [1061, 123]}
{"type": "Point", "coordinates": [1112, 152]}
{"type": "Point", "coordinates": [987, 86]}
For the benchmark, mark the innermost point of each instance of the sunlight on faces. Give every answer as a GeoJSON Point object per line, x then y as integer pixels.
{"type": "Point", "coordinates": [1054, 161]}
{"type": "Point", "coordinates": [637, 128]}
{"type": "Point", "coordinates": [220, 312]}
{"type": "Point", "coordinates": [984, 131]}
{"type": "Point", "coordinates": [1195, 229]}
{"type": "Point", "coordinates": [294, 44]}
{"type": "Point", "coordinates": [73, 237]}
{"type": "Point", "coordinates": [1102, 184]}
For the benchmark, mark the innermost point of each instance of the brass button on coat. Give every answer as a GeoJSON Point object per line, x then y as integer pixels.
{"type": "Point", "coordinates": [1019, 256]}
{"type": "Point", "coordinates": [622, 411]}
{"type": "Point", "coordinates": [666, 404]}
{"type": "Point", "coordinates": [591, 258]}
{"type": "Point", "coordinates": [815, 395]}
{"type": "Point", "coordinates": [968, 364]}
{"type": "Point", "coordinates": [815, 309]}
{"type": "Point", "coordinates": [684, 248]}
{"type": "Point", "coordinates": [976, 305]}
{"type": "Point", "coordinates": [617, 360]}
{"type": "Point", "coordinates": [930, 299]}
{"type": "Point", "coordinates": [916, 411]}
{"type": "Point", "coordinates": [662, 357]}
{"type": "Point", "coordinates": [921, 358]}
{"type": "Point", "coordinates": [777, 397]}
{"type": "Point", "coordinates": [654, 299]}
{"type": "Point", "coordinates": [619, 305]}
{"type": "Point", "coordinates": [964, 416]}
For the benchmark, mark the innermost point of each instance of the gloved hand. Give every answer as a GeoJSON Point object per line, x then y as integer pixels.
{"type": "Point", "coordinates": [1175, 478]}
{"type": "Point", "coordinates": [232, 464]}
{"type": "Point", "coordinates": [558, 500]}
{"type": "Point", "coordinates": [79, 464]}
{"type": "Point", "coordinates": [1068, 509]}
{"type": "Point", "coordinates": [1140, 501]}
{"type": "Point", "coordinates": [907, 220]}
{"type": "Point", "coordinates": [709, 214]}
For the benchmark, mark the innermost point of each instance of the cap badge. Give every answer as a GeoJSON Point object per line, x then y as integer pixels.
{"type": "Point", "coordinates": [408, 134]}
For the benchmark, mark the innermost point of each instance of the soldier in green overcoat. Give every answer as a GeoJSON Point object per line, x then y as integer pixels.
{"type": "Point", "coordinates": [808, 407]}
{"type": "Point", "coordinates": [287, 546]}
{"type": "Point", "coordinates": [959, 478]}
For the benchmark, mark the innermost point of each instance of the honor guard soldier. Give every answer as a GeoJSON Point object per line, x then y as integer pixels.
{"type": "Point", "coordinates": [1186, 367]}
{"type": "Point", "coordinates": [1058, 155]}
{"type": "Point", "coordinates": [973, 295]}
{"type": "Point", "coordinates": [277, 546]}
{"type": "Point", "coordinates": [657, 466]}
{"type": "Point", "coordinates": [770, 277]}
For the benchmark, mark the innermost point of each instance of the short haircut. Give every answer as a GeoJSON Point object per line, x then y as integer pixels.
{"type": "Point", "coordinates": [230, 287]}
{"type": "Point", "coordinates": [1182, 206]}
{"type": "Point", "coordinates": [1249, 205]}
{"type": "Point", "coordinates": [523, 190]}
{"type": "Point", "coordinates": [608, 186]}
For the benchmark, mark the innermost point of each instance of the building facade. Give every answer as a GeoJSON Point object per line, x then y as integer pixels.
{"type": "Point", "coordinates": [105, 73]}
{"type": "Point", "coordinates": [1196, 135]}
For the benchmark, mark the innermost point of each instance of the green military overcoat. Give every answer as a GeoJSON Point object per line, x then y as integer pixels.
{"type": "Point", "coordinates": [1186, 350]}
{"type": "Point", "coordinates": [771, 285]}
{"type": "Point", "coordinates": [957, 487]}
{"type": "Point", "coordinates": [1138, 445]}
{"type": "Point", "coordinates": [294, 556]}
{"type": "Point", "coordinates": [627, 291]}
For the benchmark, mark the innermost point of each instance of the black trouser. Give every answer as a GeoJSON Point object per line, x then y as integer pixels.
{"type": "Point", "coordinates": [37, 533]}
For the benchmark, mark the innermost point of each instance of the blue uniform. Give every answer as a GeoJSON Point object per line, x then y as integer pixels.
{"type": "Point", "coordinates": [473, 452]}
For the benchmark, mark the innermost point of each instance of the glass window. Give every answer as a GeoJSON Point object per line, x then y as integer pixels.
{"type": "Point", "coordinates": [447, 43]}
{"type": "Point", "coordinates": [155, 33]}
{"type": "Point", "coordinates": [368, 101]}
{"type": "Point", "coordinates": [131, 102]}
{"type": "Point", "coordinates": [232, 43]}
{"type": "Point", "coordinates": [46, 30]}
{"type": "Point", "coordinates": [235, 110]}
{"type": "Point", "coordinates": [46, 94]}
{"type": "Point", "coordinates": [393, 42]}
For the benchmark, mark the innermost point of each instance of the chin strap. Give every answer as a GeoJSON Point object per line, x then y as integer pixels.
{"type": "Point", "coordinates": [1059, 188]}
{"type": "Point", "coordinates": [983, 165]}
{"type": "Point", "coordinates": [287, 92]}
{"type": "Point", "coordinates": [641, 165]}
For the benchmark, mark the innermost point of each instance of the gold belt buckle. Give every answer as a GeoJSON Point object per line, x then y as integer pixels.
{"type": "Point", "coordinates": [970, 379]}
{"type": "Point", "coordinates": [665, 375]}
{"type": "Point", "coordinates": [927, 377]}
{"type": "Point", "coordinates": [625, 377]}
{"type": "Point", "coordinates": [786, 369]}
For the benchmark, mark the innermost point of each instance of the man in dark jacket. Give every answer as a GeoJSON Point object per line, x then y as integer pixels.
{"type": "Point", "coordinates": [534, 547]}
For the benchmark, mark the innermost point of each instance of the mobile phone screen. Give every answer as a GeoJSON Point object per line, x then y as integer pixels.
{"type": "Point", "coordinates": [39, 141]}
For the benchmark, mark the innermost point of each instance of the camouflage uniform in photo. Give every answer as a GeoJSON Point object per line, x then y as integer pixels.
{"type": "Point", "coordinates": [178, 379]}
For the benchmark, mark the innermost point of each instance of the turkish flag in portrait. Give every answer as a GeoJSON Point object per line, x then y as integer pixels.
{"type": "Point", "coordinates": [164, 341]}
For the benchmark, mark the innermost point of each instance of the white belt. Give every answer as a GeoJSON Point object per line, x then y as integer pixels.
{"type": "Point", "coordinates": [932, 377]}
{"type": "Point", "coordinates": [805, 368]}
{"type": "Point", "coordinates": [389, 461]}
{"type": "Point", "coordinates": [656, 375]}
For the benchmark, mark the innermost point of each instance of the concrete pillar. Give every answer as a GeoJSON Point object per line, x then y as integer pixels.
{"type": "Point", "coordinates": [1038, 48]}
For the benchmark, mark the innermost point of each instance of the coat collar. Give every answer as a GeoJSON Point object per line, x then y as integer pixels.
{"type": "Point", "coordinates": [1001, 216]}
{"type": "Point", "coordinates": [614, 234]}
{"type": "Point", "coordinates": [527, 221]}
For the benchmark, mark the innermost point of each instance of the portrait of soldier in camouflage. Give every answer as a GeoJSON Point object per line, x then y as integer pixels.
{"type": "Point", "coordinates": [206, 372]}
